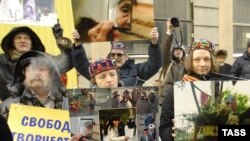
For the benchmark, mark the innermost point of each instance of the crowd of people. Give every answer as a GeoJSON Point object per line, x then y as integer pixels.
{"type": "Point", "coordinates": [31, 76]}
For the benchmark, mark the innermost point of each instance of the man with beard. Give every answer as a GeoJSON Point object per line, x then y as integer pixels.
{"type": "Point", "coordinates": [224, 68]}
{"type": "Point", "coordinates": [42, 84]}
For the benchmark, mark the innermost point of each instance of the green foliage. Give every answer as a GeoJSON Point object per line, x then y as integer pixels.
{"type": "Point", "coordinates": [241, 100]}
{"type": "Point", "coordinates": [222, 110]}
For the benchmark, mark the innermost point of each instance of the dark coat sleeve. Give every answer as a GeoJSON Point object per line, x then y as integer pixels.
{"type": "Point", "coordinates": [236, 68]}
{"type": "Point", "coordinates": [167, 115]}
{"type": "Point", "coordinates": [5, 133]}
{"type": "Point", "coordinates": [80, 61]}
{"type": "Point", "coordinates": [166, 53]}
{"type": "Point", "coordinates": [64, 60]}
{"type": "Point", "coordinates": [152, 65]}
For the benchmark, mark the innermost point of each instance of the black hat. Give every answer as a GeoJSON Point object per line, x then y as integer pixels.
{"type": "Point", "coordinates": [22, 63]}
{"type": "Point", "coordinates": [7, 42]}
{"type": "Point", "coordinates": [27, 58]}
{"type": "Point", "coordinates": [221, 52]}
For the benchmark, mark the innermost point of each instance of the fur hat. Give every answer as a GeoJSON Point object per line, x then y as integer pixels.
{"type": "Point", "coordinates": [100, 66]}
{"type": "Point", "coordinates": [221, 52]}
{"type": "Point", "coordinates": [7, 42]}
{"type": "Point", "coordinates": [202, 44]}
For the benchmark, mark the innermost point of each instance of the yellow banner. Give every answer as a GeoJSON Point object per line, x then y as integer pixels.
{"type": "Point", "coordinates": [31, 123]}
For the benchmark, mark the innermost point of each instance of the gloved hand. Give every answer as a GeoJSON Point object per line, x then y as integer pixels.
{"type": "Point", "coordinates": [57, 31]}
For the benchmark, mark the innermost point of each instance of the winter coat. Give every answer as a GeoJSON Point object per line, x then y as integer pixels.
{"type": "Point", "coordinates": [132, 74]}
{"type": "Point", "coordinates": [225, 69]}
{"type": "Point", "coordinates": [27, 98]}
{"type": "Point", "coordinates": [173, 67]}
{"type": "Point", "coordinates": [5, 133]}
{"type": "Point", "coordinates": [25, 95]}
{"type": "Point", "coordinates": [167, 113]}
{"type": "Point", "coordinates": [80, 61]}
{"type": "Point", "coordinates": [241, 66]}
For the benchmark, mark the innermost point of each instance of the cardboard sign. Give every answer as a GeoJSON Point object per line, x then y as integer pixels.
{"type": "Point", "coordinates": [36, 123]}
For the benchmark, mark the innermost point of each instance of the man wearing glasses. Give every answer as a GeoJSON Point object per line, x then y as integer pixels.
{"type": "Point", "coordinates": [132, 74]}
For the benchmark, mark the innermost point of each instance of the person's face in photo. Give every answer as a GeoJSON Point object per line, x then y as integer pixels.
{"type": "Point", "coordinates": [29, 9]}
{"type": "Point", "coordinates": [88, 130]}
{"type": "Point", "coordinates": [201, 61]}
{"type": "Point", "coordinates": [119, 56]}
{"type": "Point", "coordinates": [116, 122]}
{"type": "Point", "coordinates": [37, 77]}
{"type": "Point", "coordinates": [107, 79]}
{"type": "Point", "coordinates": [145, 133]}
{"type": "Point", "coordinates": [22, 43]}
{"type": "Point", "coordinates": [123, 14]}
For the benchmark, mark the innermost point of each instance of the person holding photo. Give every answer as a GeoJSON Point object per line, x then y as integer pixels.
{"type": "Point", "coordinates": [200, 65]}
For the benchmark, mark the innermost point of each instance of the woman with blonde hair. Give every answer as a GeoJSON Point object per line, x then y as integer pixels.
{"type": "Point", "coordinates": [200, 65]}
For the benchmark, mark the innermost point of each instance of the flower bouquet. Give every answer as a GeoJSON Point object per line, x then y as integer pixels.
{"type": "Point", "coordinates": [75, 105]}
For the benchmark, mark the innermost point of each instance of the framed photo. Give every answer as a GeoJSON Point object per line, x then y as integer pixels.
{"type": "Point", "coordinates": [86, 127]}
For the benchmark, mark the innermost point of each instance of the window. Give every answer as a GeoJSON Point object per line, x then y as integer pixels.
{"type": "Point", "coordinates": [241, 25]}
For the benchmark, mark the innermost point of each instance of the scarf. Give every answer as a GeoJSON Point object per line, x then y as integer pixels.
{"type": "Point", "coordinates": [14, 54]}
{"type": "Point", "coordinates": [189, 78]}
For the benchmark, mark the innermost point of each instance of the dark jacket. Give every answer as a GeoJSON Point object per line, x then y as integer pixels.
{"type": "Point", "coordinates": [132, 74]}
{"type": "Point", "coordinates": [24, 95]}
{"type": "Point", "coordinates": [173, 67]}
{"type": "Point", "coordinates": [143, 138]}
{"type": "Point", "coordinates": [5, 133]}
{"type": "Point", "coordinates": [27, 98]}
{"type": "Point", "coordinates": [167, 113]}
{"type": "Point", "coordinates": [225, 69]}
{"type": "Point", "coordinates": [7, 65]}
{"type": "Point", "coordinates": [80, 61]}
{"type": "Point", "coordinates": [241, 66]}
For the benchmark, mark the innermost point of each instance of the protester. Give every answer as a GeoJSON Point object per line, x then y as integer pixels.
{"type": "Point", "coordinates": [42, 84]}
{"type": "Point", "coordinates": [200, 64]}
{"type": "Point", "coordinates": [172, 68]}
{"type": "Point", "coordinates": [104, 73]}
{"type": "Point", "coordinates": [224, 68]}
{"type": "Point", "coordinates": [21, 40]}
{"type": "Point", "coordinates": [241, 66]}
{"type": "Point", "coordinates": [132, 74]}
